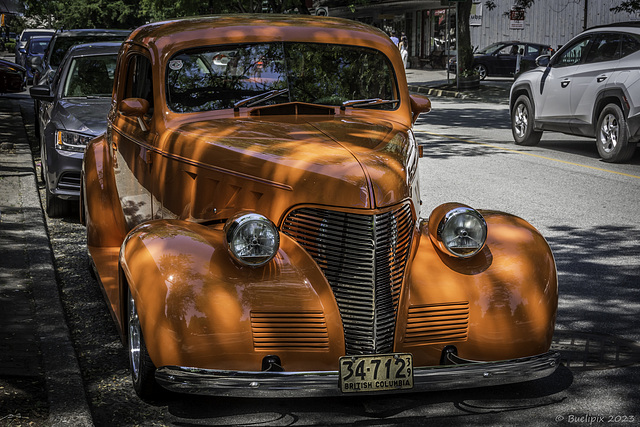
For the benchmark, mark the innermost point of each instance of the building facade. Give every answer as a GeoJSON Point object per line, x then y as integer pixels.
{"type": "Point", "coordinates": [430, 25]}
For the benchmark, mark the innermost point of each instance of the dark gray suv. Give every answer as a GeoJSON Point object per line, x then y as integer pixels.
{"type": "Point", "coordinates": [590, 87]}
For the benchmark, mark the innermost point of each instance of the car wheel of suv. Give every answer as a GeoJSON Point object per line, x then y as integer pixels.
{"type": "Point", "coordinates": [522, 123]}
{"type": "Point", "coordinates": [142, 368]}
{"type": "Point", "coordinates": [612, 137]}
{"type": "Point", "coordinates": [481, 70]}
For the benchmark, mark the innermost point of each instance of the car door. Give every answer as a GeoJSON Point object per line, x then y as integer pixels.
{"type": "Point", "coordinates": [591, 78]}
{"type": "Point", "coordinates": [506, 59]}
{"type": "Point", "coordinates": [131, 142]}
{"type": "Point", "coordinates": [553, 96]}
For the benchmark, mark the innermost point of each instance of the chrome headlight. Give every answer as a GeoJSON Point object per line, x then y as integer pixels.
{"type": "Point", "coordinates": [71, 141]}
{"type": "Point", "coordinates": [251, 239]}
{"type": "Point", "coordinates": [458, 229]}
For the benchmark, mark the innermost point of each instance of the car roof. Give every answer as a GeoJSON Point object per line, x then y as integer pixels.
{"type": "Point", "coordinates": [40, 38]}
{"type": "Point", "coordinates": [521, 42]}
{"type": "Point", "coordinates": [91, 32]}
{"type": "Point", "coordinates": [38, 31]}
{"type": "Point", "coordinates": [97, 48]}
{"type": "Point", "coordinates": [178, 34]}
{"type": "Point", "coordinates": [617, 25]}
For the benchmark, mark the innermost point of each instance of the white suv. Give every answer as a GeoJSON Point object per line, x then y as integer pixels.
{"type": "Point", "coordinates": [590, 87]}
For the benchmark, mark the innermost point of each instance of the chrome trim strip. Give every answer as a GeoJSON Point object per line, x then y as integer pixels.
{"type": "Point", "coordinates": [213, 382]}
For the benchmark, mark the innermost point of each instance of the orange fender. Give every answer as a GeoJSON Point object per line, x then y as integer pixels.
{"type": "Point", "coordinates": [198, 307]}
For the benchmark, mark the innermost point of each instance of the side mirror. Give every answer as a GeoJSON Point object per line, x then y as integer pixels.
{"type": "Point", "coordinates": [419, 104]}
{"type": "Point", "coordinates": [543, 60]}
{"type": "Point", "coordinates": [41, 93]}
{"type": "Point", "coordinates": [135, 107]}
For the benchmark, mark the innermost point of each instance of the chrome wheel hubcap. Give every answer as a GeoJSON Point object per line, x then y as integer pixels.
{"type": "Point", "coordinates": [134, 338]}
{"type": "Point", "coordinates": [520, 120]}
{"type": "Point", "coordinates": [609, 133]}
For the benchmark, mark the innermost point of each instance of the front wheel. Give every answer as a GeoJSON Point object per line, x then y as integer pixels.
{"type": "Point", "coordinates": [142, 368]}
{"type": "Point", "coordinates": [612, 137]}
{"type": "Point", "coordinates": [480, 70]}
{"type": "Point", "coordinates": [522, 123]}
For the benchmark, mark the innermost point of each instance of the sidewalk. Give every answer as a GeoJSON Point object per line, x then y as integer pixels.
{"type": "Point", "coordinates": [434, 83]}
{"type": "Point", "coordinates": [40, 381]}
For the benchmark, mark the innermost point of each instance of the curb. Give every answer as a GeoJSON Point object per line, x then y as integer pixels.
{"type": "Point", "coordinates": [437, 92]}
{"type": "Point", "coordinates": [65, 390]}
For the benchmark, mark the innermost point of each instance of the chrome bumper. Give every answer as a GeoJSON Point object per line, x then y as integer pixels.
{"type": "Point", "coordinates": [307, 384]}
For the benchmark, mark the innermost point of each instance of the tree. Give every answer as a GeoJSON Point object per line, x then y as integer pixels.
{"type": "Point", "coordinates": [84, 14]}
{"type": "Point", "coordinates": [465, 51]}
{"type": "Point", "coordinates": [629, 6]}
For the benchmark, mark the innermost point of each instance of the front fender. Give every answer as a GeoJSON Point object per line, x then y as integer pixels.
{"type": "Point", "coordinates": [200, 308]}
{"type": "Point", "coordinates": [102, 213]}
{"type": "Point", "coordinates": [499, 304]}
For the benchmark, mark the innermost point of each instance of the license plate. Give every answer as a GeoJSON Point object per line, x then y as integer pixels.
{"type": "Point", "coordinates": [376, 373]}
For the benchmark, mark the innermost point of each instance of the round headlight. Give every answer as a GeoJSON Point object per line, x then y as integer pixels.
{"type": "Point", "coordinates": [251, 239]}
{"type": "Point", "coordinates": [462, 231]}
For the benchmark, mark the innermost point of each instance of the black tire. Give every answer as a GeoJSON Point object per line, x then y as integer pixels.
{"type": "Point", "coordinates": [612, 135]}
{"type": "Point", "coordinates": [142, 368]}
{"type": "Point", "coordinates": [481, 70]}
{"type": "Point", "coordinates": [522, 122]}
{"type": "Point", "coordinates": [56, 208]}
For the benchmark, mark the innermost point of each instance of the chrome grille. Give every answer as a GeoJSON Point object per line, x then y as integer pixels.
{"type": "Point", "coordinates": [363, 258]}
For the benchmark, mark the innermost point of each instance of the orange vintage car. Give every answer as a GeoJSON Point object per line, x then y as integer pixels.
{"type": "Point", "coordinates": [253, 217]}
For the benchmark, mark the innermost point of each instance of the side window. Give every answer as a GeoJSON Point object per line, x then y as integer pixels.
{"type": "Point", "coordinates": [511, 49]}
{"type": "Point", "coordinates": [573, 55]}
{"type": "Point", "coordinates": [139, 79]}
{"type": "Point", "coordinates": [630, 44]}
{"type": "Point", "coordinates": [605, 47]}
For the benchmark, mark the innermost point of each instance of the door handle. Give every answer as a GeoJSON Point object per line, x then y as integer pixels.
{"type": "Point", "coordinates": [601, 79]}
{"type": "Point", "coordinates": [565, 83]}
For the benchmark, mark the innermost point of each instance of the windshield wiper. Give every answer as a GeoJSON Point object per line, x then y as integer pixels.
{"type": "Point", "coordinates": [367, 102]}
{"type": "Point", "coordinates": [256, 99]}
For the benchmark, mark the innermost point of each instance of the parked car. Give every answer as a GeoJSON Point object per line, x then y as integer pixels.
{"type": "Point", "coordinates": [73, 109]}
{"type": "Point", "coordinates": [590, 87]}
{"type": "Point", "coordinates": [44, 69]}
{"type": "Point", "coordinates": [253, 215]}
{"type": "Point", "coordinates": [63, 40]}
{"type": "Point", "coordinates": [500, 59]}
{"type": "Point", "coordinates": [35, 48]}
{"type": "Point", "coordinates": [12, 77]}
{"type": "Point", "coordinates": [23, 40]}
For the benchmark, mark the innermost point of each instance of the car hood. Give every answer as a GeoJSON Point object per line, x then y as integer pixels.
{"type": "Point", "coordinates": [84, 115]}
{"type": "Point", "coordinates": [270, 165]}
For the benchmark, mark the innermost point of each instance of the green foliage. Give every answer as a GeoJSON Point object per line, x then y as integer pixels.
{"type": "Point", "coordinates": [132, 13]}
{"type": "Point", "coordinates": [630, 6]}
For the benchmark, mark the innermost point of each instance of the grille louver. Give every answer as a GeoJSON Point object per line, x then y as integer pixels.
{"type": "Point", "coordinates": [274, 331]}
{"type": "Point", "coordinates": [363, 257]}
{"type": "Point", "coordinates": [431, 324]}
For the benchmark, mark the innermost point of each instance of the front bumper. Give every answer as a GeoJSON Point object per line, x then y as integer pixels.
{"type": "Point", "coordinates": [308, 384]}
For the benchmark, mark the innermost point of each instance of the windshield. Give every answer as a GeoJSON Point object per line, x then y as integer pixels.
{"type": "Point", "coordinates": [221, 77]}
{"type": "Point", "coordinates": [490, 49]}
{"type": "Point", "coordinates": [62, 45]}
{"type": "Point", "coordinates": [90, 76]}
{"type": "Point", "coordinates": [37, 47]}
